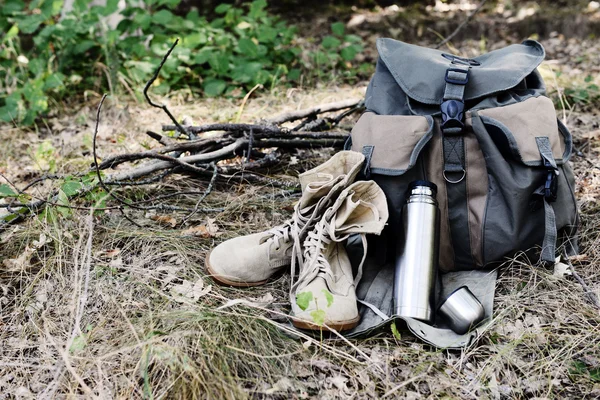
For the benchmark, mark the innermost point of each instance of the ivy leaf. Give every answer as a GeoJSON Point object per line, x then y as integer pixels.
{"type": "Point", "coordinates": [318, 316]}
{"type": "Point", "coordinates": [6, 191]}
{"type": "Point", "coordinates": [328, 297]}
{"type": "Point", "coordinates": [303, 300]}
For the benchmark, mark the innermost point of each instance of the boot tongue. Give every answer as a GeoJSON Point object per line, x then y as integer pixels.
{"type": "Point", "coordinates": [315, 186]}
{"type": "Point", "coordinates": [362, 209]}
{"type": "Point", "coordinates": [318, 182]}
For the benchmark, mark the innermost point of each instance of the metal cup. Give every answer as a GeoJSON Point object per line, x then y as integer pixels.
{"type": "Point", "coordinates": [462, 310]}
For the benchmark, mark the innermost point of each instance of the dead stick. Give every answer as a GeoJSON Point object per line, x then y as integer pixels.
{"type": "Point", "coordinates": [162, 106]}
{"type": "Point", "coordinates": [323, 108]}
{"type": "Point", "coordinates": [229, 127]}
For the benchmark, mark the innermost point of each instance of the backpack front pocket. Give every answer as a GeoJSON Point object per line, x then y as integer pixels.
{"type": "Point", "coordinates": [392, 145]}
{"type": "Point", "coordinates": [522, 158]}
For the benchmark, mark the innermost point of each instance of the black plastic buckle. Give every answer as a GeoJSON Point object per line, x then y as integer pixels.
{"type": "Point", "coordinates": [551, 184]}
{"type": "Point", "coordinates": [452, 114]}
{"type": "Point", "coordinates": [456, 81]}
{"type": "Point", "coordinates": [461, 60]}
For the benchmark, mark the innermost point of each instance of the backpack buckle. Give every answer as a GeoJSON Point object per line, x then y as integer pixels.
{"type": "Point", "coordinates": [452, 114]}
{"type": "Point", "coordinates": [455, 80]}
{"type": "Point", "coordinates": [551, 184]}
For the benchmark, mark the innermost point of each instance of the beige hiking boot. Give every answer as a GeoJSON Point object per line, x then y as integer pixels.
{"type": "Point", "coordinates": [323, 294]}
{"type": "Point", "coordinates": [251, 260]}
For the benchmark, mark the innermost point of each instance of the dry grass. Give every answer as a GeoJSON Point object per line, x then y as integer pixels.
{"type": "Point", "coordinates": [92, 305]}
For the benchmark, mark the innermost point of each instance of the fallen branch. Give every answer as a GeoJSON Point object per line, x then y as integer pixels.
{"type": "Point", "coordinates": [313, 111]}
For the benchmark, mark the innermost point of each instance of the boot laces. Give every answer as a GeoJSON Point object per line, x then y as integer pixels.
{"type": "Point", "coordinates": [315, 263]}
{"type": "Point", "coordinates": [292, 229]}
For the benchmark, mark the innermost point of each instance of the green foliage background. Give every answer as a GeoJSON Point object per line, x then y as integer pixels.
{"type": "Point", "coordinates": [44, 59]}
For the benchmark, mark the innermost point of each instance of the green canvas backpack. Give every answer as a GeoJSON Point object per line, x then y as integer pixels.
{"type": "Point", "coordinates": [484, 131]}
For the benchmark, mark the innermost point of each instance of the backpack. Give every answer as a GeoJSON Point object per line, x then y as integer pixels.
{"type": "Point", "coordinates": [484, 131]}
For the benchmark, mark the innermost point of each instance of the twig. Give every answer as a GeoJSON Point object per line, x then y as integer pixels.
{"type": "Point", "coordinates": [98, 174]}
{"type": "Point", "coordinates": [163, 107]}
{"type": "Point", "coordinates": [225, 152]}
{"type": "Point", "coordinates": [250, 144]}
{"type": "Point", "coordinates": [462, 25]}
{"type": "Point", "coordinates": [323, 108]}
{"type": "Point", "coordinates": [230, 128]}
{"type": "Point", "coordinates": [589, 293]}
{"type": "Point", "coordinates": [204, 195]}
{"type": "Point", "coordinates": [165, 141]}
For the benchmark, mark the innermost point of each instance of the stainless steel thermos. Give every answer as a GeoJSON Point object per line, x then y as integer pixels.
{"type": "Point", "coordinates": [417, 256]}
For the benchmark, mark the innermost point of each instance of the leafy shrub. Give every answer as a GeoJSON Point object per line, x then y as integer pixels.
{"type": "Point", "coordinates": [44, 58]}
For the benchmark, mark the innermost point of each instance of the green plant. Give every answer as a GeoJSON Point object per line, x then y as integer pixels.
{"type": "Point", "coordinates": [45, 58]}
{"type": "Point", "coordinates": [338, 51]}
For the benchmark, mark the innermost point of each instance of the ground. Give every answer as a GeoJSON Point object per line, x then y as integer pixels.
{"type": "Point", "coordinates": [93, 305]}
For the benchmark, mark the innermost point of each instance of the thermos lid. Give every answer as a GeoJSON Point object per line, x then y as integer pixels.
{"type": "Point", "coordinates": [425, 183]}
{"type": "Point", "coordinates": [462, 310]}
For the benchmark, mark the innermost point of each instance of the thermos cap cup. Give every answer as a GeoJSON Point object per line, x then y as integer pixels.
{"type": "Point", "coordinates": [428, 184]}
{"type": "Point", "coordinates": [462, 310]}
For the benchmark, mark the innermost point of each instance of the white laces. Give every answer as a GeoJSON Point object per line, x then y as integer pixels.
{"type": "Point", "coordinates": [315, 264]}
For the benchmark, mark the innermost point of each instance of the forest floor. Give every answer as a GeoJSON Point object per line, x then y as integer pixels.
{"type": "Point", "coordinates": [92, 305]}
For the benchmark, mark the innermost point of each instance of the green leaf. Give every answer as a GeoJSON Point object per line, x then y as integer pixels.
{"type": "Point", "coordinates": [257, 8]}
{"type": "Point", "coordinates": [318, 316]}
{"type": "Point", "coordinates": [214, 87]}
{"type": "Point", "coordinates": [349, 53]}
{"type": "Point", "coordinates": [71, 188]}
{"type": "Point", "coordinates": [11, 7]}
{"type": "Point", "coordinates": [30, 23]}
{"type": "Point", "coordinates": [303, 300]}
{"type": "Point", "coordinates": [247, 72]}
{"type": "Point", "coordinates": [248, 47]}
{"type": "Point", "coordinates": [219, 63]}
{"type": "Point", "coordinates": [142, 20]}
{"type": "Point", "coordinates": [294, 74]}
{"type": "Point", "coordinates": [79, 343]}
{"type": "Point", "coordinates": [328, 297]}
{"type": "Point", "coordinates": [353, 39]}
{"type": "Point", "coordinates": [84, 46]}
{"type": "Point", "coordinates": [330, 42]}
{"type": "Point", "coordinates": [169, 3]}
{"type": "Point", "coordinates": [9, 113]}
{"type": "Point", "coordinates": [12, 32]}
{"type": "Point", "coordinates": [162, 17]}
{"type": "Point", "coordinates": [6, 191]}
{"type": "Point", "coordinates": [111, 7]}
{"type": "Point", "coordinates": [63, 204]}
{"type": "Point", "coordinates": [222, 8]}
{"type": "Point", "coordinates": [338, 28]}
{"type": "Point", "coordinates": [395, 331]}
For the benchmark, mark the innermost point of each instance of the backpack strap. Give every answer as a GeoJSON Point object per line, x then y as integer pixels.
{"type": "Point", "coordinates": [548, 191]}
{"type": "Point", "coordinates": [452, 108]}
{"type": "Point", "coordinates": [452, 127]}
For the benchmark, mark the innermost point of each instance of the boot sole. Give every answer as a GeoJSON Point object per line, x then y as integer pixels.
{"type": "Point", "coordinates": [226, 282]}
{"type": "Point", "coordinates": [340, 326]}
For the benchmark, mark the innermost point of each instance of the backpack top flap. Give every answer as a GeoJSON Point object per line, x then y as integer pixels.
{"type": "Point", "coordinates": [420, 71]}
